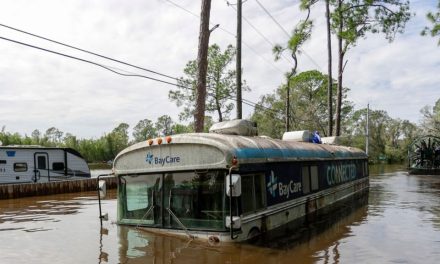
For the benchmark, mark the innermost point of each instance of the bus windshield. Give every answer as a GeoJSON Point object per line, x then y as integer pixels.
{"type": "Point", "coordinates": [195, 199]}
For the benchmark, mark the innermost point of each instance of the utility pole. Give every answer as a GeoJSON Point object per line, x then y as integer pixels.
{"type": "Point", "coordinates": [238, 60]}
{"type": "Point", "coordinates": [202, 66]}
{"type": "Point", "coordinates": [329, 64]}
{"type": "Point", "coordinates": [367, 141]}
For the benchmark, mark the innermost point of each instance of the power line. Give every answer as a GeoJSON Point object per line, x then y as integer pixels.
{"type": "Point", "coordinates": [285, 32]}
{"type": "Point", "coordinates": [273, 19]}
{"type": "Point", "coordinates": [197, 16]}
{"type": "Point", "coordinates": [184, 9]}
{"type": "Point", "coordinates": [115, 69]}
{"type": "Point", "coordinates": [86, 61]}
{"type": "Point", "coordinates": [244, 101]}
{"type": "Point", "coordinates": [258, 32]}
{"type": "Point", "coordinates": [86, 51]}
{"type": "Point", "coordinates": [229, 33]}
{"type": "Point", "coordinates": [128, 74]}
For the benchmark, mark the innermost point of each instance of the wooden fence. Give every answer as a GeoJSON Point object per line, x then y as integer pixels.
{"type": "Point", "coordinates": [11, 191]}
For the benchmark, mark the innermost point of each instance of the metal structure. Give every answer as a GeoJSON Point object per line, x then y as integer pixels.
{"type": "Point", "coordinates": [424, 155]}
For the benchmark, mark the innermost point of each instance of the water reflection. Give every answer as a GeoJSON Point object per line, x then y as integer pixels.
{"type": "Point", "coordinates": [399, 221]}
{"type": "Point", "coordinates": [299, 243]}
{"type": "Point", "coordinates": [34, 211]}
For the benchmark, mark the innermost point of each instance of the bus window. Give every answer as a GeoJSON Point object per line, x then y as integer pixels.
{"type": "Point", "coordinates": [314, 177]}
{"type": "Point", "coordinates": [252, 193]}
{"type": "Point", "coordinates": [195, 199]}
{"type": "Point", "coordinates": [260, 191]}
{"type": "Point", "coordinates": [305, 180]}
{"type": "Point", "coordinates": [365, 169]}
{"type": "Point", "coordinates": [141, 196]}
{"type": "Point", "coordinates": [247, 193]}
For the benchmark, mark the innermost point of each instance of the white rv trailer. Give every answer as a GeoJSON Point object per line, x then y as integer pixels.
{"type": "Point", "coordinates": [30, 164]}
{"type": "Point", "coordinates": [231, 187]}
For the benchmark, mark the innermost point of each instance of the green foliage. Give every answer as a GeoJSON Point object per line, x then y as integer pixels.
{"type": "Point", "coordinates": [358, 17]}
{"type": "Point", "coordinates": [431, 119]}
{"type": "Point", "coordinates": [164, 125]}
{"type": "Point", "coordinates": [144, 130]}
{"type": "Point", "coordinates": [106, 147]}
{"type": "Point", "coordinates": [300, 34]}
{"type": "Point", "coordinates": [308, 92]}
{"type": "Point", "coordinates": [181, 129]}
{"type": "Point", "coordinates": [389, 137]}
{"type": "Point", "coordinates": [434, 19]}
{"type": "Point", "coordinates": [53, 136]}
{"type": "Point", "coordinates": [220, 85]}
{"type": "Point", "coordinates": [208, 122]}
{"type": "Point", "coordinates": [269, 116]}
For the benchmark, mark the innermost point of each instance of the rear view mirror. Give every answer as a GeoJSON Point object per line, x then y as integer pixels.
{"type": "Point", "coordinates": [236, 222]}
{"type": "Point", "coordinates": [234, 189]}
{"type": "Point", "coordinates": [102, 187]}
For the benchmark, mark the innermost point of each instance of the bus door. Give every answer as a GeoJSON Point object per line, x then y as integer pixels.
{"type": "Point", "coordinates": [41, 165]}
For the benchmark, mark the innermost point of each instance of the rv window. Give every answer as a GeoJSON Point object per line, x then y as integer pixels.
{"type": "Point", "coordinates": [20, 167]}
{"type": "Point", "coordinates": [58, 166]}
{"type": "Point", "coordinates": [2, 161]}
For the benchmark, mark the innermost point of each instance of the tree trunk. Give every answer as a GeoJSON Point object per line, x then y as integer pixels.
{"type": "Point", "coordinates": [202, 66]}
{"type": "Point", "coordinates": [330, 78]}
{"type": "Point", "coordinates": [288, 105]}
{"type": "Point", "coordinates": [218, 106]}
{"type": "Point", "coordinates": [340, 71]}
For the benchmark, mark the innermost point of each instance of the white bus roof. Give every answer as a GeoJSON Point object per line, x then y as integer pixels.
{"type": "Point", "coordinates": [215, 151]}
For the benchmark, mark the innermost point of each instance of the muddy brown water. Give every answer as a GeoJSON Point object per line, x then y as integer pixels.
{"type": "Point", "coordinates": [398, 221]}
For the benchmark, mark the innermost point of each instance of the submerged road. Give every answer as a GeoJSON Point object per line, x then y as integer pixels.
{"type": "Point", "coordinates": [398, 222]}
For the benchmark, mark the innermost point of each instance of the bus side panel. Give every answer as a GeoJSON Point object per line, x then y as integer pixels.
{"type": "Point", "coordinates": [339, 172]}
{"type": "Point", "coordinates": [283, 183]}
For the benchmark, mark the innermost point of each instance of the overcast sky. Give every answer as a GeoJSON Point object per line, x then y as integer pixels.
{"type": "Point", "coordinates": [39, 90]}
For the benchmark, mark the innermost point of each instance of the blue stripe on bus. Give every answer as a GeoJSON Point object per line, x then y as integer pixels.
{"type": "Point", "coordinates": [249, 153]}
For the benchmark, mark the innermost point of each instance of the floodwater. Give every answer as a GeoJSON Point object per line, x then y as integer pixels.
{"type": "Point", "coordinates": [398, 221]}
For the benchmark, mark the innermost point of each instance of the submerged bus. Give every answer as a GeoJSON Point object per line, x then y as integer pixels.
{"type": "Point", "coordinates": [230, 185]}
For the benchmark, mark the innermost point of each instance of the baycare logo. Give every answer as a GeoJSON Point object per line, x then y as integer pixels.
{"type": "Point", "coordinates": [272, 184]}
{"type": "Point", "coordinates": [284, 190]}
{"type": "Point", "coordinates": [151, 159]}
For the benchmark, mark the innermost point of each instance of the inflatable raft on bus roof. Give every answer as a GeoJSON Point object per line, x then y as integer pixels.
{"type": "Point", "coordinates": [227, 142]}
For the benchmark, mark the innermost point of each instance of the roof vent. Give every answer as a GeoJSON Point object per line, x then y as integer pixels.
{"type": "Point", "coordinates": [301, 136]}
{"type": "Point", "coordinates": [235, 127]}
{"type": "Point", "coordinates": [336, 140]}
